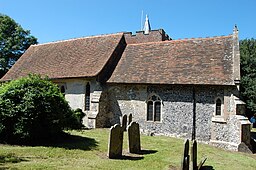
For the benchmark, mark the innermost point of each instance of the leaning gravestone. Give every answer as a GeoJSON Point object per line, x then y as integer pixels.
{"type": "Point", "coordinates": [194, 154]}
{"type": "Point", "coordinates": [134, 137]}
{"type": "Point", "coordinates": [115, 142]}
{"type": "Point", "coordinates": [185, 160]}
{"type": "Point", "coordinates": [124, 122]}
{"type": "Point", "coordinates": [130, 119]}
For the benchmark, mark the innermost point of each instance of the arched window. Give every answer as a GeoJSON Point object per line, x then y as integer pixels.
{"type": "Point", "coordinates": [150, 110]}
{"type": "Point", "coordinates": [154, 108]}
{"type": "Point", "coordinates": [62, 89]}
{"type": "Point", "coordinates": [157, 115]}
{"type": "Point", "coordinates": [218, 109]}
{"type": "Point", "coordinates": [87, 97]}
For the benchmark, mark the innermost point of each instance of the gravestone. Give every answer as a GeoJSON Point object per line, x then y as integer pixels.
{"type": "Point", "coordinates": [124, 122]}
{"type": "Point", "coordinates": [130, 119]}
{"type": "Point", "coordinates": [186, 157]}
{"type": "Point", "coordinates": [246, 134]}
{"type": "Point", "coordinates": [194, 155]}
{"type": "Point", "coordinates": [185, 160]}
{"type": "Point", "coordinates": [134, 137]}
{"type": "Point", "coordinates": [115, 142]}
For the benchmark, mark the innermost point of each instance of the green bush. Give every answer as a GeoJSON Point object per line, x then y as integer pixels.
{"type": "Point", "coordinates": [32, 109]}
{"type": "Point", "coordinates": [79, 114]}
{"type": "Point", "coordinates": [74, 121]}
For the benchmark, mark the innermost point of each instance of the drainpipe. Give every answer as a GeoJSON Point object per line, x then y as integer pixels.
{"type": "Point", "coordinates": [194, 114]}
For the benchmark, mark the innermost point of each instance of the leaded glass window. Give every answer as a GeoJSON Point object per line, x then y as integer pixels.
{"type": "Point", "coordinates": [154, 108]}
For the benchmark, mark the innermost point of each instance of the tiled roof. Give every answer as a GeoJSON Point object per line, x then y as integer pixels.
{"type": "Point", "coordinates": [81, 57]}
{"type": "Point", "coordinates": [188, 61]}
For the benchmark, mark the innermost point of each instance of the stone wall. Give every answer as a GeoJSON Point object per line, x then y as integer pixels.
{"type": "Point", "coordinates": [229, 134]}
{"type": "Point", "coordinates": [75, 95]}
{"type": "Point", "coordinates": [177, 108]}
{"type": "Point", "coordinates": [74, 92]}
{"type": "Point", "coordinates": [109, 103]}
{"type": "Point", "coordinates": [228, 130]}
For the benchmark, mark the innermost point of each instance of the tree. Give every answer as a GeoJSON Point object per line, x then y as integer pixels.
{"type": "Point", "coordinates": [32, 109]}
{"type": "Point", "coordinates": [14, 41]}
{"type": "Point", "coordinates": [248, 74]}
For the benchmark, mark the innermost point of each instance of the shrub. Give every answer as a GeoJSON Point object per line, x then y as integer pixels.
{"type": "Point", "coordinates": [32, 109]}
{"type": "Point", "coordinates": [74, 121]}
{"type": "Point", "coordinates": [79, 114]}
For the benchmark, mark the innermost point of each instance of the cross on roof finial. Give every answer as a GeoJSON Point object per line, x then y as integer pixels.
{"type": "Point", "coordinates": [147, 28]}
{"type": "Point", "coordinates": [235, 28]}
{"type": "Point", "coordinates": [235, 31]}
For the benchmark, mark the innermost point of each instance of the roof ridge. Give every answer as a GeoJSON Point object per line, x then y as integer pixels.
{"type": "Point", "coordinates": [79, 38]}
{"type": "Point", "coordinates": [212, 37]}
{"type": "Point", "coordinates": [184, 39]}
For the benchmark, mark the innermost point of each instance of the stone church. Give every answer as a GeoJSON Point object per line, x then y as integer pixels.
{"type": "Point", "coordinates": [187, 88]}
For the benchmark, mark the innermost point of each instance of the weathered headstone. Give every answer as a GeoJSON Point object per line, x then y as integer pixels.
{"type": "Point", "coordinates": [115, 143]}
{"type": "Point", "coordinates": [134, 137]}
{"type": "Point", "coordinates": [185, 160]}
{"type": "Point", "coordinates": [130, 119]}
{"type": "Point", "coordinates": [186, 157]}
{"type": "Point", "coordinates": [194, 155]}
{"type": "Point", "coordinates": [124, 122]}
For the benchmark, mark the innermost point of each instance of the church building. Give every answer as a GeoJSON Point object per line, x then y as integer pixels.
{"type": "Point", "coordinates": [186, 88]}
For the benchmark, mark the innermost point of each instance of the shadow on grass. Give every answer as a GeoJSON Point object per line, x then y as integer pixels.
{"type": "Point", "coordinates": [202, 168]}
{"type": "Point", "coordinates": [146, 152]}
{"type": "Point", "coordinates": [64, 140]}
{"type": "Point", "coordinates": [10, 158]}
{"type": "Point", "coordinates": [69, 141]}
{"type": "Point", "coordinates": [132, 158]}
{"type": "Point", "coordinates": [206, 168]}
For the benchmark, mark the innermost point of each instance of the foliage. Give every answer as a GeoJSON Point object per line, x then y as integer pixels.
{"type": "Point", "coordinates": [14, 40]}
{"type": "Point", "coordinates": [248, 73]}
{"type": "Point", "coordinates": [9, 158]}
{"type": "Point", "coordinates": [79, 114]}
{"type": "Point", "coordinates": [75, 120]}
{"type": "Point", "coordinates": [31, 109]}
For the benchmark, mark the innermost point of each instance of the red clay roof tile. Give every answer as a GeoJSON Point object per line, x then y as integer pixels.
{"type": "Point", "coordinates": [81, 57]}
{"type": "Point", "coordinates": [187, 61]}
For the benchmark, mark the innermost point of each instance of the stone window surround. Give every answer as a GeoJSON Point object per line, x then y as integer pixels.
{"type": "Point", "coordinates": [87, 97]}
{"type": "Point", "coordinates": [146, 107]}
{"type": "Point", "coordinates": [219, 118]}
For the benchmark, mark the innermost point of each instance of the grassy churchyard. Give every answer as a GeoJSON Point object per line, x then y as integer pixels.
{"type": "Point", "coordinates": [87, 149]}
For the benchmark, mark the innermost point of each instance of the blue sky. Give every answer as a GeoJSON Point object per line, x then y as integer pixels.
{"type": "Point", "coordinates": [52, 20]}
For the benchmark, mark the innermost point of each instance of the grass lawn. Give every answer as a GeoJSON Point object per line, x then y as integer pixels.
{"type": "Point", "coordinates": [88, 150]}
